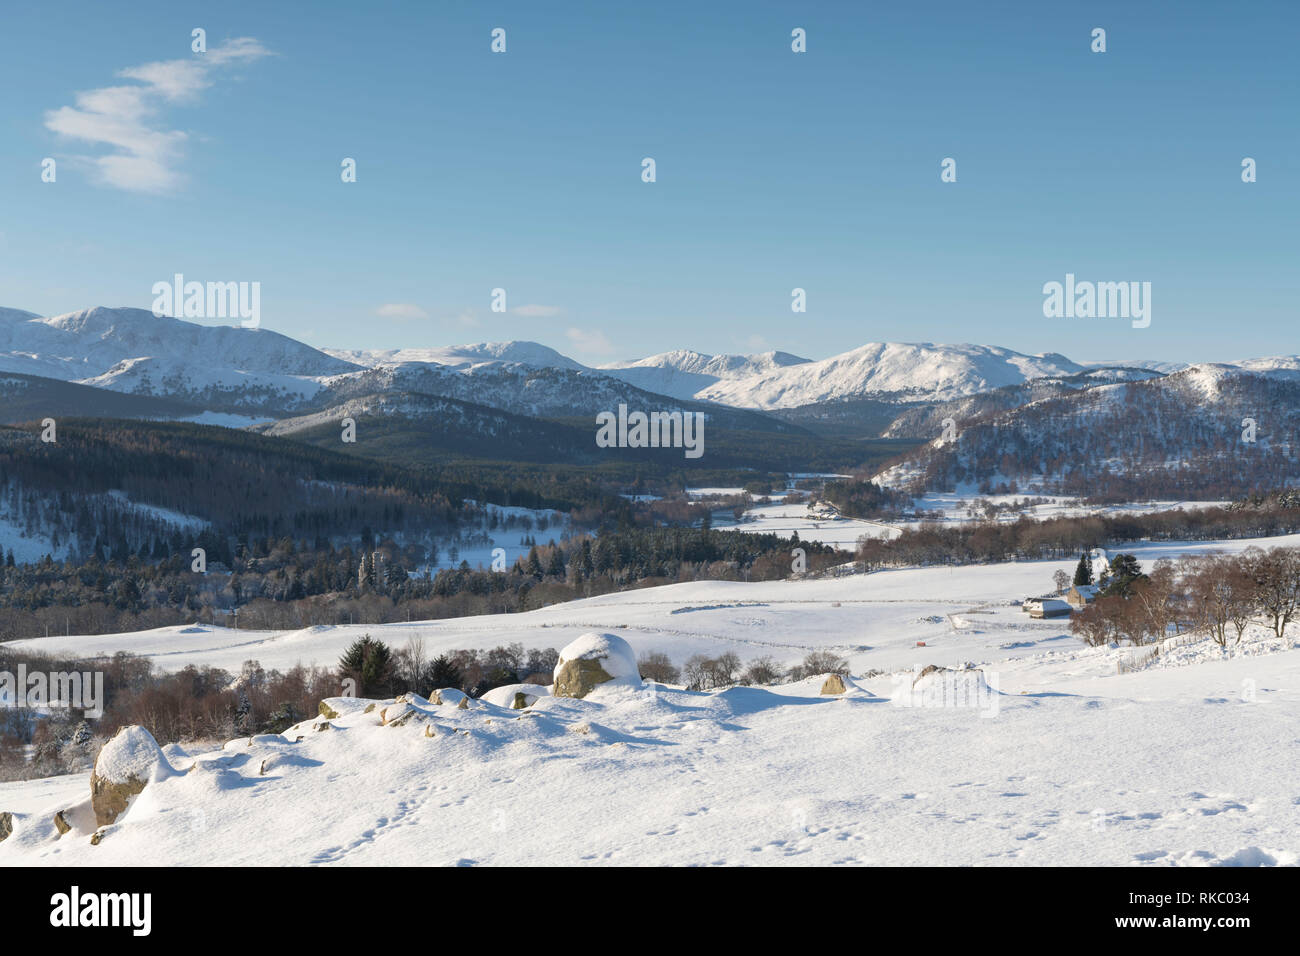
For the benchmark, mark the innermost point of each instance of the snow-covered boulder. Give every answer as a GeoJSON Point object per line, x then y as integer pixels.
{"type": "Point", "coordinates": [834, 684]}
{"type": "Point", "coordinates": [517, 696]}
{"type": "Point", "coordinates": [595, 659]}
{"type": "Point", "coordinates": [332, 708]}
{"type": "Point", "coordinates": [448, 696]}
{"type": "Point", "coordinates": [125, 765]}
{"type": "Point", "coordinates": [937, 686]}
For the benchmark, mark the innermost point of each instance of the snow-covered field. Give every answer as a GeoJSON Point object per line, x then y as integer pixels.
{"type": "Point", "coordinates": [785, 520]}
{"type": "Point", "coordinates": [1193, 760]}
{"type": "Point", "coordinates": [957, 506]}
{"type": "Point", "coordinates": [948, 507]}
{"type": "Point", "coordinates": [477, 542]}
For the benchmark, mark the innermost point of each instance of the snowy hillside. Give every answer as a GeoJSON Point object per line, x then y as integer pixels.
{"type": "Point", "coordinates": [134, 351]}
{"type": "Point", "coordinates": [886, 773]}
{"type": "Point", "coordinates": [1187, 434]}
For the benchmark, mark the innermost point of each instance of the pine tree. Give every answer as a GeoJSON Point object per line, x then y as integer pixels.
{"type": "Point", "coordinates": [443, 672]}
{"type": "Point", "coordinates": [243, 709]}
{"type": "Point", "coordinates": [1123, 573]}
{"type": "Point", "coordinates": [555, 567]}
{"type": "Point", "coordinates": [370, 663]}
{"type": "Point", "coordinates": [1083, 573]}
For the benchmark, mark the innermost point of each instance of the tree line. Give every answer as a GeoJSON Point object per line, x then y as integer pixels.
{"type": "Point", "coordinates": [1222, 594]}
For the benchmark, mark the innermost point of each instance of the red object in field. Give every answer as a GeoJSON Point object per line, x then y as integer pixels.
{"type": "Point", "coordinates": [920, 643]}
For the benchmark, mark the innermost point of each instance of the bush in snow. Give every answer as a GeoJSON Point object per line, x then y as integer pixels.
{"type": "Point", "coordinates": [820, 662]}
{"type": "Point", "coordinates": [708, 673]}
{"type": "Point", "coordinates": [762, 670]}
{"type": "Point", "coordinates": [658, 666]}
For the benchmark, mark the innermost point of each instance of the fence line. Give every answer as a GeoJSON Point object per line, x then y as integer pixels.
{"type": "Point", "coordinates": [1142, 659]}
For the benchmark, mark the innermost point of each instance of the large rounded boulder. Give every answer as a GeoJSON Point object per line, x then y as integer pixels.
{"type": "Point", "coordinates": [125, 765]}
{"type": "Point", "coordinates": [594, 660]}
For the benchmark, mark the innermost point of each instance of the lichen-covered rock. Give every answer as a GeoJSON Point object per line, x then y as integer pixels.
{"type": "Point", "coordinates": [124, 766]}
{"type": "Point", "coordinates": [328, 712]}
{"type": "Point", "coordinates": [834, 685]}
{"type": "Point", "coordinates": [594, 659]}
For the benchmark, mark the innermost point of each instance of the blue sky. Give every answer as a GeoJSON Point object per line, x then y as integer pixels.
{"type": "Point", "coordinates": [775, 170]}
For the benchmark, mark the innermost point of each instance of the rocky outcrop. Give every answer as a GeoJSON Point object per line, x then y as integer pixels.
{"type": "Point", "coordinates": [6, 825]}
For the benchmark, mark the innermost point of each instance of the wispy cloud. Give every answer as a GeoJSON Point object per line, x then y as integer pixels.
{"type": "Point", "coordinates": [143, 155]}
{"type": "Point", "coordinates": [590, 341]}
{"type": "Point", "coordinates": [534, 311]}
{"type": "Point", "coordinates": [401, 310]}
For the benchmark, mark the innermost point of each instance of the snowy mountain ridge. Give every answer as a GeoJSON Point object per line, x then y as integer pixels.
{"type": "Point", "coordinates": [237, 369]}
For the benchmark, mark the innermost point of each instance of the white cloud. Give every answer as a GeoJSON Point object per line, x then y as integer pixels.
{"type": "Point", "coordinates": [143, 154]}
{"type": "Point", "coordinates": [591, 341]}
{"type": "Point", "coordinates": [401, 310]}
{"type": "Point", "coordinates": [533, 311]}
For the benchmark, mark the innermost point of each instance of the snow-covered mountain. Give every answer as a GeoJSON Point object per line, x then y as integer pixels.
{"type": "Point", "coordinates": [257, 371]}
{"type": "Point", "coordinates": [684, 373]}
{"type": "Point", "coordinates": [134, 351]}
{"type": "Point", "coordinates": [462, 357]}
{"type": "Point", "coordinates": [914, 371]}
{"type": "Point", "coordinates": [1208, 431]}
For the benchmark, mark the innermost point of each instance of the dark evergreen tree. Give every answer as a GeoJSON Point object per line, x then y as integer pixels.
{"type": "Point", "coordinates": [369, 662]}
{"type": "Point", "coordinates": [1123, 573]}
{"type": "Point", "coordinates": [1083, 573]}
